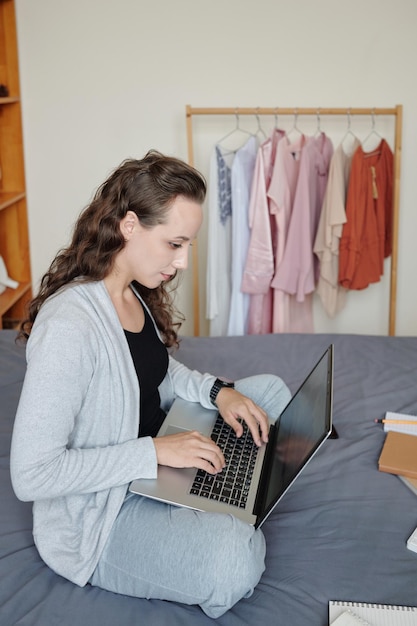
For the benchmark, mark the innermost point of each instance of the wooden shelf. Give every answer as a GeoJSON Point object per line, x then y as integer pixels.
{"type": "Point", "coordinates": [10, 297]}
{"type": "Point", "coordinates": [9, 100]}
{"type": "Point", "coordinates": [7, 198]}
{"type": "Point", "coordinates": [14, 237]}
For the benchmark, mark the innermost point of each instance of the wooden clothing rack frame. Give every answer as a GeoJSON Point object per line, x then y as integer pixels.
{"type": "Point", "coordinates": [396, 111]}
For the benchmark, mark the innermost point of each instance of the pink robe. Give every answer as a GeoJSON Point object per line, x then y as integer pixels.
{"type": "Point", "coordinates": [297, 273]}
{"type": "Point", "coordinates": [288, 315]}
{"type": "Point", "coordinates": [259, 267]}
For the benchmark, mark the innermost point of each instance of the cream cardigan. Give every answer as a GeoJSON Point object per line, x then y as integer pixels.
{"type": "Point", "coordinates": [75, 447]}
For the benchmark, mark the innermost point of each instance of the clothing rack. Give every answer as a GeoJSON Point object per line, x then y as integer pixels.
{"type": "Point", "coordinates": [396, 112]}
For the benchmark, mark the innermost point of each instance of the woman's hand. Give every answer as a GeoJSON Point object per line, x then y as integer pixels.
{"type": "Point", "coordinates": [189, 449]}
{"type": "Point", "coordinates": [233, 406]}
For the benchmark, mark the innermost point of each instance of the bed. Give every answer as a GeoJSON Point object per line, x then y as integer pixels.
{"type": "Point", "coordinates": [339, 534]}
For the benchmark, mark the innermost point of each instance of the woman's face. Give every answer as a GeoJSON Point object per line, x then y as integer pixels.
{"type": "Point", "coordinates": [153, 255]}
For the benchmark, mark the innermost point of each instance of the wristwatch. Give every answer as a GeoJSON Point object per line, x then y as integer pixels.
{"type": "Point", "coordinates": [219, 384]}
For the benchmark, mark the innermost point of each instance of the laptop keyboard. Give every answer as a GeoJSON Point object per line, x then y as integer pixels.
{"type": "Point", "coordinates": [232, 484]}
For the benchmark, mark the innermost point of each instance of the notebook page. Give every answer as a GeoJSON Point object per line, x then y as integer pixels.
{"type": "Point", "coordinates": [376, 614]}
{"type": "Point", "coordinates": [401, 428]}
{"type": "Point", "coordinates": [347, 618]}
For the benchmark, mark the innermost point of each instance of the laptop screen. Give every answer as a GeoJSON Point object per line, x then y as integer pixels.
{"type": "Point", "coordinates": [302, 427]}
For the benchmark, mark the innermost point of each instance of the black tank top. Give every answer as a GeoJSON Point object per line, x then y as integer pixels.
{"type": "Point", "coordinates": [150, 358]}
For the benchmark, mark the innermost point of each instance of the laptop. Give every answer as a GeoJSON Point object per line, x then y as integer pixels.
{"type": "Point", "coordinates": [294, 438]}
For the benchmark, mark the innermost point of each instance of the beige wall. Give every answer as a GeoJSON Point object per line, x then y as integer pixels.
{"type": "Point", "coordinates": [104, 80]}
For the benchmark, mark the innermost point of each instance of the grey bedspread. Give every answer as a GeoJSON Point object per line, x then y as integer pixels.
{"type": "Point", "coordinates": [339, 533]}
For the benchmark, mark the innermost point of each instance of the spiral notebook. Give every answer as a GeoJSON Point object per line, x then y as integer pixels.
{"type": "Point", "coordinates": [355, 613]}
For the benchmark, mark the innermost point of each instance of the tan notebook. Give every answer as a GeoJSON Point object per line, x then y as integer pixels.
{"type": "Point", "coordinates": [399, 455]}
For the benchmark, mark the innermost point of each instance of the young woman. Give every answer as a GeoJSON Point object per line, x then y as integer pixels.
{"type": "Point", "coordinates": [98, 384]}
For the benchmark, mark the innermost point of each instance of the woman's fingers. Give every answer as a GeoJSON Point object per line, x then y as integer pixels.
{"type": "Point", "coordinates": [189, 449]}
{"type": "Point", "coordinates": [234, 407]}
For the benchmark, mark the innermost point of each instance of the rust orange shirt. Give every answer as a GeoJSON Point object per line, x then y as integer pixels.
{"type": "Point", "coordinates": [367, 235]}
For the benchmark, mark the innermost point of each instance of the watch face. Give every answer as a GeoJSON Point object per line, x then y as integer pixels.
{"type": "Point", "coordinates": [225, 383]}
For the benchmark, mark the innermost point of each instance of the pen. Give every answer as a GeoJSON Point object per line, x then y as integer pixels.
{"type": "Point", "coordinates": [410, 422]}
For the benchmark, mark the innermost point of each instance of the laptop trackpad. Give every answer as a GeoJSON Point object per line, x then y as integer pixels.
{"type": "Point", "coordinates": [175, 430]}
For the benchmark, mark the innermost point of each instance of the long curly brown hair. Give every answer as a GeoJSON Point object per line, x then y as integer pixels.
{"type": "Point", "coordinates": [148, 187]}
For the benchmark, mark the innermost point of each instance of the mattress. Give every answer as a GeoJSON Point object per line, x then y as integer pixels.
{"type": "Point", "coordinates": [338, 534]}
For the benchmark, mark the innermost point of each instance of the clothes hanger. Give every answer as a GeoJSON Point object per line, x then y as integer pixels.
{"type": "Point", "coordinates": [276, 128]}
{"type": "Point", "coordinates": [349, 133]}
{"type": "Point", "coordinates": [373, 132]}
{"type": "Point", "coordinates": [295, 128]}
{"type": "Point", "coordinates": [318, 129]}
{"type": "Point", "coordinates": [236, 129]}
{"type": "Point", "coordinates": [260, 133]}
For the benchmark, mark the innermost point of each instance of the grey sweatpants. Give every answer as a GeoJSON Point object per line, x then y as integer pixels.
{"type": "Point", "coordinates": [159, 551]}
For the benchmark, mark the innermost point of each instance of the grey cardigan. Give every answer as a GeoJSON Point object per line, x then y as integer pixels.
{"type": "Point", "coordinates": [75, 447]}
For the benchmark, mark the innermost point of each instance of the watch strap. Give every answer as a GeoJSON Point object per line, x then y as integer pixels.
{"type": "Point", "coordinates": [217, 386]}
